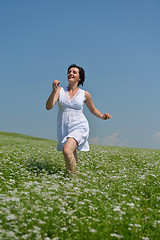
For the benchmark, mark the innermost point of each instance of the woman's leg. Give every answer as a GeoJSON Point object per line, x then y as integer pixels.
{"type": "Point", "coordinates": [70, 154]}
{"type": "Point", "coordinates": [75, 155]}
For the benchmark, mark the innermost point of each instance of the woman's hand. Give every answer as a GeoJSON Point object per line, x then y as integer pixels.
{"type": "Point", "coordinates": [53, 98]}
{"type": "Point", "coordinates": [106, 116]}
{"type": "Point", "coordinates": [55, 85]}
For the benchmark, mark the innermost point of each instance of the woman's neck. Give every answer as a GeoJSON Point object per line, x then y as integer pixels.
{"type": "Point", "coordinates": [73, 87]}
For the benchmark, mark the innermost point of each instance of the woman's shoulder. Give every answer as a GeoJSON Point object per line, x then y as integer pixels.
{"type": "Point", "coordinates": [82, 91]}
{"type": "Point", "coordinates": [87, 94]}
{"type": "Point", "coordinates": [62, 89]}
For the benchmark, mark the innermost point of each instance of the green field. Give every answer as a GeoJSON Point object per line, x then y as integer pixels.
{"type": "Point", "coordinates": [116, 194]}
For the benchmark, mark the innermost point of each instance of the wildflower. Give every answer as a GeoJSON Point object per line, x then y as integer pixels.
{"type": "Point", "coordinates": [137, 225]}
{"type": "Point", "coordinates": [93, 230]}
{"type": "Point", "coordinates": [64, 229]}
{"type": "Point", "coordinates": [153, 175]}
{"type": "Point", "coordinates": [26, 236]}
{"type": "Point", "coordinates": [116, 235]}
{"type": "Point", "coordinates": [136, 198]}
{"type": "Point", "coordinates": [142, 177]}
{"type": "Point", "coordinates": [130, 204]}
{"type": "Point", "coordinates": [117, 209]}
{"type": "Point", "coordinates": [11, 235]}
{"type": "Point", "coordinates": [36, 229]}
{"type": "Point", "coordinates": [11, 217]}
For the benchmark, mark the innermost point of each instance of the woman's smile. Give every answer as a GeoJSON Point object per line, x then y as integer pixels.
{"type": "Point", "coordinates": [73, 74]}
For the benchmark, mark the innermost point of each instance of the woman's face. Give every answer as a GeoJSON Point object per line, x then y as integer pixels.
{"type": "Point", "coordinates": [73, 75]}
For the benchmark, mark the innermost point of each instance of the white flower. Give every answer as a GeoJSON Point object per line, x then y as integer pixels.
{"type": "Point", "coordinates": [26, 236]}
{"type": "Point", "coordinates": [11, 217]}
{"type": "Point", "coordinates": [130, 204]}
{"type": "Point", "coordinates": [137, 225]}
{"type": "Point", "coordinates": [93, 230]}
{"type": "Point", "coordinates": [36, 229]}
{"type": "Point", "coordinates": [64, 229]}
{"type": "Point", "coordinates": [116, 235]}
{"type": "Point", "coordinates": [81, 202]}
{"type": "Point", "coordinates": [142, 177]}
{"type": "Point", "coordinates": [153, 175]}
{"type": "Point", "coordinates": [136, 198]}
{"type": "Point", "coordinates": [117, 209]}
{"type": "Point", "coordinates": [11, 235]}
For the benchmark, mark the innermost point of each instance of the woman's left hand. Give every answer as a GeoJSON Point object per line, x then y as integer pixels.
{"type": "Point", "coordinates": [106, 116]}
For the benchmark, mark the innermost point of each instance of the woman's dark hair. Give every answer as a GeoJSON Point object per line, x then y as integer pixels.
{"type": "Point", "coordinates": [81, 73]}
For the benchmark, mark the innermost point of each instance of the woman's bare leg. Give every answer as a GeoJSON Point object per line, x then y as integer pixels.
{"type": "Point", "coordinates": [75, 155]}
{"type": "Point", "coordinates": [70, 154]}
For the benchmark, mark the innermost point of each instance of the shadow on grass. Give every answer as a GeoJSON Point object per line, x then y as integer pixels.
{"type": "Point", "coordinates": [39, 165]}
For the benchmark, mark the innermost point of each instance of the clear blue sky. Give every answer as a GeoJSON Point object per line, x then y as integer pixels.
{"type": "Point", "coordinates": [116, 42]}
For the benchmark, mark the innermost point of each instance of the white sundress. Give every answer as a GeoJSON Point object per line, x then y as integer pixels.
{"type": "Point", "coordinates": [71, 121]}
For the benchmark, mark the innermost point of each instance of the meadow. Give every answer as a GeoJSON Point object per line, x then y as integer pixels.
{"type": "Point", "coordinates": [115, 194]}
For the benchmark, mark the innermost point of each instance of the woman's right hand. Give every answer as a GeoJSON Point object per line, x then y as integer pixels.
{"type": "Point", "coordinates": [53, 98]}
{"type": "Point", "coordinates": [55, 85]}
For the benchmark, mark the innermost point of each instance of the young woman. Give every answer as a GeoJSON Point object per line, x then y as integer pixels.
{"type": "Point", "coordinates": [72, 125]}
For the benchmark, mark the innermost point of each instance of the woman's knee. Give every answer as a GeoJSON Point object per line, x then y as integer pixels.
{"type": "Point", "coordinates": [70, 146]}
{"type": "Point", "coordinates": [66, 150]}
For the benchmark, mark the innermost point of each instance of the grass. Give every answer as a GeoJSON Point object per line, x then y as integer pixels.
{"type": "Point", "coordinates": [116, 194]}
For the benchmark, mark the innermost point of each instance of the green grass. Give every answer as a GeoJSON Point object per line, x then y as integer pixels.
{"type": "Point", "coordinates": [116, 194]}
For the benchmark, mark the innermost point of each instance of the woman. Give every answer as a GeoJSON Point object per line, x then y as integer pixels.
{"type": "Point", "coordinates": [72, 127]}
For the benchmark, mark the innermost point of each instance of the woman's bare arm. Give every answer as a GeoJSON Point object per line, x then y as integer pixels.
{"type": "Point", "coordinates": [93, 109]}
{"type": "Point", "coordinates": [53, 98]}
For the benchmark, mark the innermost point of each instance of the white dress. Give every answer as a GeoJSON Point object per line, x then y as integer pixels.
{"type": "Point", "coordinates": [71, 121]}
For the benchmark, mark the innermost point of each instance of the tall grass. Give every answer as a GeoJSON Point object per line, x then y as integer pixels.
{"type": "Point", "coordinates": [116, 194]}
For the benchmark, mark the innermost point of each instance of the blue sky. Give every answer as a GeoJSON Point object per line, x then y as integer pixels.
{"type": "Point", "coordinates": [116, 42]}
